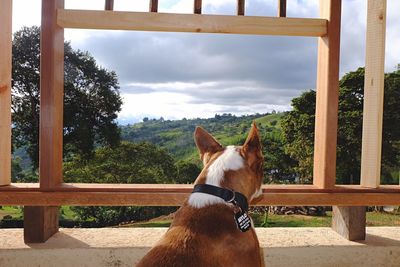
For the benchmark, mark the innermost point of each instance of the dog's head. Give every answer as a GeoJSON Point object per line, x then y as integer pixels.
{"type": "Point", "coordinates": [239, 168]}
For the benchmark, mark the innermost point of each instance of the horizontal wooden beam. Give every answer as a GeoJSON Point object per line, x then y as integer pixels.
{"type": "Point", "coordinates": [187, 188]}
{"type": "Point", "coordinates": [103, 198]}
{"type": "Point", "coordinates": [166, 22]}
{"type": "Point", "coordinates": [175, 195]}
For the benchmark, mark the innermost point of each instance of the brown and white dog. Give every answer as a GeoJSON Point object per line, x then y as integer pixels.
{"type": "Point", "coordinates": [204, 232]}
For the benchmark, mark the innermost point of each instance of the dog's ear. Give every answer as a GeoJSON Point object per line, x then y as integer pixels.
{"type": "Point", "coordinates": [206, 144]}
{"type": "Point", "coordinates": [252, 150]}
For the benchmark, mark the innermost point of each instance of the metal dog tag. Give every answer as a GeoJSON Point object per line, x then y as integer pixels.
{"type": "Point", "coordinates": [243, 221]}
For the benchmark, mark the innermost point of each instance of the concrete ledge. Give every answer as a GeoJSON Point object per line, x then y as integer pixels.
{"type": "Point", "coordinates": [125, 246]}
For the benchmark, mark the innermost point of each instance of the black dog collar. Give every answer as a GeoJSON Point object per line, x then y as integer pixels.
{"type": "Point", "coordinates": [228, 195]}
{"type": "Point", "coordinates": [241, 217]}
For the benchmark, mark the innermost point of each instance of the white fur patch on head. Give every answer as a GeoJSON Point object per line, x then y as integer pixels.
{"type": "Point", "coordinates": [230, 160]}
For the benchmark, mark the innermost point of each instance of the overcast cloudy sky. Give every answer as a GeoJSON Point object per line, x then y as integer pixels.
{"type": "Point", "coordinates": [178, 75]}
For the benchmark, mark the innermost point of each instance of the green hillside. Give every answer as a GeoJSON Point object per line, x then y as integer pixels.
{"type": "Point", "coordinates": [177, 136]}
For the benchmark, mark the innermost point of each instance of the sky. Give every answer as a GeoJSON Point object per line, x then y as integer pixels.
{"type": "Point", "coordinates": [177, 75]}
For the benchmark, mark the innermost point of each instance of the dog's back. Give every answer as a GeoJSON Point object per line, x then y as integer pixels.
{"type": "Point", "coordinates": [204, 237]}
{"type": "Point", "coordinates": [204, 232]}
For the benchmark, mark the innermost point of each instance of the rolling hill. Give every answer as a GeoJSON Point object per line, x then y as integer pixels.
{"type": "Point", "coordinates": [177, 136]}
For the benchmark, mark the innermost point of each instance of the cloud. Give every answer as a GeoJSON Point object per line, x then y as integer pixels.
{"type": "Point", "coordinates": [183, 74]}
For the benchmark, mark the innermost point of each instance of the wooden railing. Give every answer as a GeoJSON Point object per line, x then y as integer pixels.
{"type": "Point", "coordinates": [41, 200]}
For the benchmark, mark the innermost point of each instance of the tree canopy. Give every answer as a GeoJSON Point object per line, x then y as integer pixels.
{"type": "Point", "coordinates": [298, 129]}
{"type": "Point", "coordinates": [135, 163]}
{"type": "Point", "coordinates": [91, 98]}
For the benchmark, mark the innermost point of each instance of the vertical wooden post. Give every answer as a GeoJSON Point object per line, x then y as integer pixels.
{"type": "Point", "coordinates": [349, 222]}
{"type": "Point", "coordinates": [373, 94]}
{"type": "Point", "coordinates": [40, 223]}
{"type": "Point", "coordinates": [326, 114]}
{"type": "Point", "coordinates": [197, 7]}
{"type": "Point", "coordinates": [282, 8]}
{"type": "Point", "coordinates": [240, 7]}
{"type": "Point", "coordinates": [109, 5]}
{"type": "Point", "coordinates": [153, 6]}
{"type": "Point", "coordinates": [51, 122]}
{"type": "Point", "coordinates": [5, 90]}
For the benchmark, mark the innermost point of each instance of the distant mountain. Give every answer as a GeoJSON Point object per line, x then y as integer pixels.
{"type": "Point", "coordinates": [177, 136]}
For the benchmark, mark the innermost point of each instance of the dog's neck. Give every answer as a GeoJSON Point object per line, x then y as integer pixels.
{"type": "Point", "coordinates": [229, 160]}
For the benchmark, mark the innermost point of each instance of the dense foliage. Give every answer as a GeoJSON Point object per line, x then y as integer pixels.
{"type": "Point", "coordinates": [91, 99]}
{"type": "Point", "coordinates": [177, 136]}
{"type": "Point", "coordinates": [126, 163]}
{"type": "Point", "coordinates": [298, 129]}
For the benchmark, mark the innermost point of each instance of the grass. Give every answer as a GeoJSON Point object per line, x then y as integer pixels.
{"type": "Point", "coordinates": [373, 219]}
{"type": "Point", "coordinates": [274, 220]}
{"type": "Point", "coordinates": [270, 119]}
{"type": "Point", "coordinates": [16, 212]}
{"type": "Point", "coordinates": [382, 219]}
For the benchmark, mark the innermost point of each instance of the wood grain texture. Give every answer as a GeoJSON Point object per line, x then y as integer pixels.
{"type": "Point", "coordinates": [51, 96]}
{"type": "Point", "coordinates": [109, 5]}
{"type": "Point", "coordinates": [373, 94]}
{"type": "Point", "coordinates": [146, 21]}
{"type": "Point", "coordinates": [175, 195]}
{"type": "Point", "coordinates": [197, 7]}
{"type": "Point", "coordinates": [187, 188]}
{"type": "Point", "coordinates": [40, 223]}
{"type": "Point", "coordinates": [153, 6]}
{"type": "Point", "coordinates": [240, 9]}
{"type": "Point", "coordinates": [282, 8]}
{"type": "Point", "coordinates": [326, 114]}
{"type": "Point", "coordinates": [5, 90]}
{"type": "Point", "coordinates": [349, 222]}
{"type": "Point", "coordinates": [105, 198]}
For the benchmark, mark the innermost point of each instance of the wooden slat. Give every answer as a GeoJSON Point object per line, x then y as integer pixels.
{"type": "Point", "coordinates": [197, 7]}
{"type": "Point", "coordinates": [282, 8]}
{"type": "Point", "coordinates": [240, 7]}
{"type": "Point", "coordinates": [105, 198]}
{"type": "Point", "coordinates": [109, 5]}
{"type": "Point", "coordinates": [187, 188]}
{"type": "Point", "coordinates": [153, 6]}
{"type": "Point", "coordinates": [51, 122]}
{"type": "Point", "coordinates": [5, 91]}
{"type": "Point", "coordinates": [47, 217]}
{"type": "Point", "coordinates": [373, 94]}
{"type": "Point", "coordinates": [326, 115]}
{"type": "Point", "coordinates": [349, 222]}
{"type": "Point", "coordinates": [51, 96]}
{"type": "Point", "coordinates": [146, 21]}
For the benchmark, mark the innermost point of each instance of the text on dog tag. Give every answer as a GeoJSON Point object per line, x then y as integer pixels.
{"type": "Point", "coordinates": [243, 221]}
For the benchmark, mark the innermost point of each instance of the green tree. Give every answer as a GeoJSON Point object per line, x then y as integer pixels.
{"type": "Point", "coordinates": [91, 99]}
{"type": "Point", "coordinates": [298, 134]}
{"type": "Point", "coordinates": [278, 165]}
{"type": "Point", "coordinates": [126, 163]}
{"type": "Point", "coordinates": [187, 172]}
{"type": "Point", "coordinates": [298, 128]}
